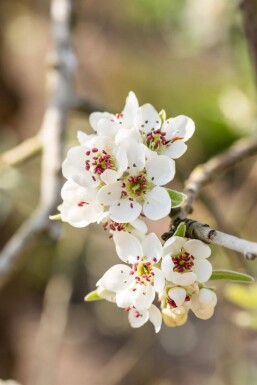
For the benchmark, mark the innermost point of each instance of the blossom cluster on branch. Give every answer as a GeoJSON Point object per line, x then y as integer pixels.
{"type": "Point", "coordinates": [115, 177]}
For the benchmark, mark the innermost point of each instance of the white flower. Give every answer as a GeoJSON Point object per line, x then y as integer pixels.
{"type": "Point", "coordinates": [136, 286]}
{"type": "Point", "coordinates": [185, 261]}
{"type": "Point", "coordinates": [140, 191]}
{"type": "Point", "coordinates": [79, 207]}
{"type": "Point", "coordinates": [98, 161]}
{"type": "Point", "coordinates": [203, 303]}
{"type": "Point", "coordinates": [106, 124]}
{"type": "Point", "coordinates": [138, 318]}
{"type": "Point", "coordinates": [168, 138]}
{"type": "Point", "coordinates": [171, 319]}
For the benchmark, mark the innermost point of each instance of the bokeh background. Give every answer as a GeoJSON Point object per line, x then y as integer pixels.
{"type": "Point", "coordinates": [188, 57]}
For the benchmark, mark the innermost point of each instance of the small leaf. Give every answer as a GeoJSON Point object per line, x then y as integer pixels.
{"type": "Point", "coordinates": [56, 217]}
{"type": "Point", "coordinates": [177, 198]}
{"type": "Point", "coordinates": [93, 296]}
{"type": "Point", "coordinates": [230, 276]}
{"type": "Point", "coordinates": [181, 230]}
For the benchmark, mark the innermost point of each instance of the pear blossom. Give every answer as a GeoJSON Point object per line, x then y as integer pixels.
{"type": "Point", "coordinates": [140, 192]}
{"type": "Point", "coordinates": [106, 124]}
{"type": "Point", "coordinates": [185, 261]}
{"type": "Point", "coordinates": [138, 318]}
{"type": "Point", "coordinates": [95, 162]}
{"type": "Point", "coordinates": [203, 303]}
{"type": "Point", "coordinates": [135, 286]}
{"type": "Point", "coordinates": [79, 207]}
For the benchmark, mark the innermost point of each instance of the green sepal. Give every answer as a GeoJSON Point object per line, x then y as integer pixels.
{"type": "Point", "coordinates": [162, 115]}
{"type": "Point", "coordinates": [230, 275]}
{"type": "Point", "coordinates": [177, 198]}
{"type": "Point", "coordinates": [93, 296]}
{"type": "Point", "coordinates": [56, 217]}
{"type": "Point", "coordinates": [181, 230]}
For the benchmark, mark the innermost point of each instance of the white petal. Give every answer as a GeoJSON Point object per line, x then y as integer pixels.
{"type": "Point", "coordinates": [202, 269]}
{"type": "Point", "coordinates": [116, 279]}
{"type": "Point", "coordinates": [143, 296]}
{"type": "Point", "coordinates": [109, 176]}
{"type": "Point", "coordinates": [178, 294]}
{"type": "Point", "coordinates": [83, 137]}
{"type": "Point", "coordinates": [174, 245]}
{"type": "Point", "coordinates": [159, 280]}
{"type": "Point", "coordinates": [128, 247]}
{"type": "Point", "coordinates": [197, 248]}
{"type": "Point", "coordinates": [207, 297]}
{"type": "Point", "coordinates": [109, 194]}
{"type": "Point", "coordinates": [139, 225]}
{"type": "Point", "coordinates": [125, 211]}
{"type": "Point", "coordinates": [107, 127]}
{"type": "Point", "coordinates": [183, 279]}
{"type": "Point", "coordinates": [121, 160]}
{"type": "Point", "coordinates": [155, 317]}
{"type": "Point", "coordinates": [148, 118]}
{"type": "Point", "coordinates": [160, 170]}
{"type": "Point", "coordinates": [204, 314]}
{"type": "Point", "coordinates": [135, 154]}
{"type": "Point", "coordinates": [175, 150]}
{"type": "Point", "coordinates": [152, 247]}
{"type": "Point", "coordinates": [96, 116]}
{"type": "Point", "coordinates": [125, 134]}
{"type": "Point", "coordinates": [123, 298]}
{"type": "Point", "coordinates": [157, 203]}
{"type": "Point", "coordinates": [138, 318]}
{"type": "Point", "coordinates": [180, 126]}
{"type": "Point", "coordinates": [106, 294]}
{"type": "Point", "coordinates": [81, 216]}
{"type": "Point", "coordinates": [167, 266]}
{"type": "Point", "coordinates": [130, 111]}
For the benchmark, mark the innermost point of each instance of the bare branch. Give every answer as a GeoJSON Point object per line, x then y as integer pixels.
{"type": "Point", "coordinates": [216, 166]}
{"type": "Point", "coordinates": [52, 136]}
{"type": "Point", "coordinates": [208, 235]}
{"type": "Point", "coordinates": [20, 153]}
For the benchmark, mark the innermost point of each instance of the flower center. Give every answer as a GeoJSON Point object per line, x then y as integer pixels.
{"type": "Point", "coordinates": [136, 187]}
{"type": "Point", "coordinates": [114, 226]}
{"type": "Point", "coordinates": [143, 272]}
{"type": "Point", "coordinates": [183, 262]}
{"type": "Point", "coordinates": [155, 139]}
{"type": "Point", "coordinates": [99, 161]}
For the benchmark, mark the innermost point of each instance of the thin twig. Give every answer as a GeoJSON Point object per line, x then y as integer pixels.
{"type": "Point", "coordinates": [52, 134]}
{"type": "Point", "coordinates": [212, 169]}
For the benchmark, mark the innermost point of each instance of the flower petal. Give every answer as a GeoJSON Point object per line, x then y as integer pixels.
{"type": "Point", "coordinates": [152, 247]}
{"type": "Point", "coordinates": [125, 211]}
{"type": "Point", "coordinates": [138, 318]}
{"type": "Point", "coordinates": [202, 269]}
{"type": "Point", "coordinates": [96, 116]}
{"type": "Point", "coordinates": [197, 248]}
{"type": "Point", "coordinates": [159, 280]}
{"type": "Point", "coordinates": [128, 247]}
{"type": "Point", "coordinates": [139, 225]}
{"type": "Point", "coordinates": [110, 176]}
{"type": "Point", "coordinates": [109, 194]}
{"type": "Point", "coordinates": [148, 118]}
{"type": "Point", "coordinates": [143, 296]}
{"type": "Point", "coordinates": [130, 111]}
{"type": "Point", "coordinates": [160, 169]}
{"type": "Point", "coordinates": [167, 266]}
{"type": "Point", "coordinates": [157, 203]}
{"type": "Point", "coordinates": [183, 279]}
{"type": "Point", "coordinates": [174, 245]}
{"type": "Point", "coordinates": [175, 150]}
{"type": "Point", "coordinates": [180, 126]}
{"type": "Point", "coordinates": [155, 317]}
{"type": "Point", "coordinates": [115, 279]}
{"type": "Point", "coordinates": [178, 294]}
{"type": "Point", "coordinates": [124, 298]}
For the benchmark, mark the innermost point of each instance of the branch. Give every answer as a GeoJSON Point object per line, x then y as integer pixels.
{"type": "Point", "coordinates": [206, 234]}
{"type": "Point", "coordinates": [212, 169]}
{"type": "Point", "coordinates": [52, 136]}
{"type": "Point", "coordinates": [249, 11]}
{"type": "Point", "coordinates": [20, 153]}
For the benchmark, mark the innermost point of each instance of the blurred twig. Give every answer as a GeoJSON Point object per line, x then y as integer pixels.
{"type": "Point", "coordinates": [52, 135]}
{"type": "Point", "coordinates": [200, 177]}
{"type": "Point", "coordinates": [249, 11]}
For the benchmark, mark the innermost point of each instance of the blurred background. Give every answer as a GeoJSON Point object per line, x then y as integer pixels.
{"type": "Point", "coordinates": [188, 57]}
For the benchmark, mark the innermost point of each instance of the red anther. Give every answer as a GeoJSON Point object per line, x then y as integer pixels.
{"type": "Point", "coordinates": [131, 205]}
{"type": "Point", "coordinates": [154, 259]}
{"type": "Point", "coordinates": [131, 272]}
{"type": "Point", "coordinates": [187, 298]}
{"type": "Point", "coordinates": [163, 133]}
{"type": "Point", "coordinates": [110, 236]}
{"type": "Point", "coordinates": [94, 178]}
{"type": "Point", "coordinates": [88, 153]}
{"type": "Point", "coordinates": [94, 149]}
{"type": "Point", "coordinates": [138, 257]}
{"type": "Point", "coordinates": [131, 199]}
{"type": "Point", "coordinates": [172, 303]}
{"type": "Point", "coordinates": [112, 227]}
{"type": "Point", "coordinates": [127, 308]}
{"type": "Point", "coordinates": [137, 314]}
{"type": "Point", "coordinates": [104, 152]}
{"type": "Point", "coordinates": [82, 203]}
{"type": "Point", "coordinates": [148, 264]}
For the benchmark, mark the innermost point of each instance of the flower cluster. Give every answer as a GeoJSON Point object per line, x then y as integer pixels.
{"type": "Point", "coordinates": [116, 177]}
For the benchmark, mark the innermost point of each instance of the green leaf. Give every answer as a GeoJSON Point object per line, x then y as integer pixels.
{"type": "Point", "coordinates": [93, 296]}
{"type": "Point", "coordinates": [243, 296]}
{"type": "Point", "coordinates": [181, 230]}
{"type": "Point", "coordinates": [177, 198]}
{"type": "Point", "coordinates": [56, 217]}
{"type": "Point", "coordinates": [230, 276]}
